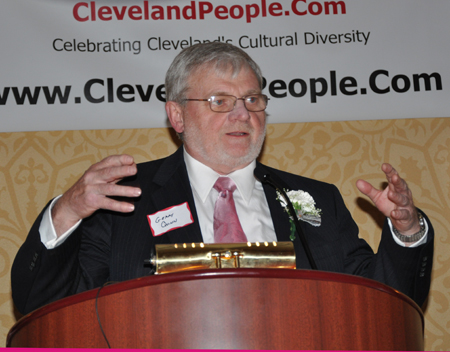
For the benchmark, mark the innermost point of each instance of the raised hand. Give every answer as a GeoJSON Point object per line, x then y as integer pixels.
{"type": "Point", "coordinates": [395, 201]}
{"type": "Point", "coordinates": [91, 192]}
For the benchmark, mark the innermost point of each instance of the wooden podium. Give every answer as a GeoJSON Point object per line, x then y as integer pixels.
{"type": "Point", "coordinates": [270, 309]}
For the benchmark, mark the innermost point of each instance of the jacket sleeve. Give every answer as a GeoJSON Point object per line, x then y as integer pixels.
{"type": "Point", "coordinates": [404, 268]}
{"type": "Point", "coordinates": [40, 275]}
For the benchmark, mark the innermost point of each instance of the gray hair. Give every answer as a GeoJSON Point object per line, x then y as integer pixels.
{"type": "Point", "coordinates": [218, 56]}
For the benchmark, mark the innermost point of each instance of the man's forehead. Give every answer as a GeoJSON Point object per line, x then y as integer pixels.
{"type": "Point", "coordinates": [215, 81]}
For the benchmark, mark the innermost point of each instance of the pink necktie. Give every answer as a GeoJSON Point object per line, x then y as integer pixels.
{"type": "Point", "coordinates": [227, 228]}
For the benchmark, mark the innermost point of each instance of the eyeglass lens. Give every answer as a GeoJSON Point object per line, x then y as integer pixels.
{"type": "Point", "coordinates": [226, 103]}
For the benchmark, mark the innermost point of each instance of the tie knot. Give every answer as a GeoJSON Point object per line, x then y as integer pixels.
{"type": "Point", "coordinates": [224, 184]}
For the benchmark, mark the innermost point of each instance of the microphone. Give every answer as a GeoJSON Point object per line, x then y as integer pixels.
{"type": "Point", "coordinates": [265, 178]}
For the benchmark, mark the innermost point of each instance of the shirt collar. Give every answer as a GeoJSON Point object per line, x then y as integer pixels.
{"type": "Point", "coordinates": [202, 178]}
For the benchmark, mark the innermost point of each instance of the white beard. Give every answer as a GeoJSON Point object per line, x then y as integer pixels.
{"type": "Point", "coordinates": [193, 138]}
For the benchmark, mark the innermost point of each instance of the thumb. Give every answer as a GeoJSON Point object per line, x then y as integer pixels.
{"type": "Point", "coordinates": [367, 189]}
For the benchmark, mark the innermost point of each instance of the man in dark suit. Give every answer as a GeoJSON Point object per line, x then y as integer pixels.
{"type": "Point", "coordinates": [88, 236]}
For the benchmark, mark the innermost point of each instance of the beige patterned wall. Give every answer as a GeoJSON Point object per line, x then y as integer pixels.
{"type": "Point", "coordinates": [36, 166]}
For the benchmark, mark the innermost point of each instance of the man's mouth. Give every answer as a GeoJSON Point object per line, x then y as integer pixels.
{"type": "Point", "coordinates": [237, 134]}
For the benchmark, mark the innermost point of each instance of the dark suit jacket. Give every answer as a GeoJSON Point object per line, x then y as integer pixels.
{"type": "Point", "coordinates": [112, 247]}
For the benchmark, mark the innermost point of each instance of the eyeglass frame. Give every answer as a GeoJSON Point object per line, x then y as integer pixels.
{"type": "Point", "coordinates": [236, 99]}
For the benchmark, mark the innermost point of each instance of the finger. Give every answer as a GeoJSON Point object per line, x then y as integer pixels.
{"type": "Point", "coordinates": [115, 205]}
{"type": "Point", "coordinates": [399, 199]}
{"type": "Point", "coordinates": [400, 184]}
{"type": "Point", "coordinates": [367, 189]}
{"type": "Point", "coordinates": [115, 174]}
{"type": "Point", "coordinates": [113, 161]}
{"type": "Point", "coordinates": [114, 190]}
{"type": "Point", "coordinates": [389, 170]}
{"type": "Point", "coordinates": [94, 197]}
{"type": "Point", "coordinates": [401, 215]}
{"type": "Point", "coordinates": [393, 176]}
{"type": "Point", "coordinates": [396, 183]}
{"type": "Point", "coordinates": [109, 174]}
{"type": "Point", "coordinates": [117, 160]}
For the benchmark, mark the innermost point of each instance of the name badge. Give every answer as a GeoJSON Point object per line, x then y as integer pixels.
{"type": "Point", "coordinates": [170, 219]}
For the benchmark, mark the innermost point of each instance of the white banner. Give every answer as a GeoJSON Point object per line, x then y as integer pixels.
{"type": "Point", "coordinates": [101, 64]}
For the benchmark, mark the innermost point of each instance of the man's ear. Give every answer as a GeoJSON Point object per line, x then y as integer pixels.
{"type": "Point", "coordinates": [175, 114]}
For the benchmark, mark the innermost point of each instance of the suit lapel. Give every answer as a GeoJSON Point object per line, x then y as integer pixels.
{"type": "Point", "coordinates": [174, 189]}
{"type": "Point", "coordinates": [279, 216]}
{"type": "Point", "coordinates": [281, 219]}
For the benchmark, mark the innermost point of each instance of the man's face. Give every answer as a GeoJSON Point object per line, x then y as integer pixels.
{"type": "Point", "coordinates": [223, 141]}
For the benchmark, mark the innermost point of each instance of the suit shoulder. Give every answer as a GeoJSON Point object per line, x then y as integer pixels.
{"type": "Point", "coordinates": [150, 166]}
{"type": "Point", "coordinates": [298, 181]}
{"type": "Point", "coordinates": [158, 171]}
{"type": "Point", "coordinates": [167, 163]}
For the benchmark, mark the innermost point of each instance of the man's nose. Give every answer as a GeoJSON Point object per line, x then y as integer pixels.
{"type": "Point", "coordinates": [239, 112]}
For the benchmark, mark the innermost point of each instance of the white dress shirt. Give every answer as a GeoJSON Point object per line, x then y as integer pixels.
{"type": "Point", "coordinates": [249, 198]}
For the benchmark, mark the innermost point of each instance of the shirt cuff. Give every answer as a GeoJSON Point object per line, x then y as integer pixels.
{"type": "Point", "coordinates": [415, 244]}
{"type": "Point", "coordinates": [47, 231]}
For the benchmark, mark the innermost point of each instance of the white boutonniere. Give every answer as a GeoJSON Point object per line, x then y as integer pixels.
{"type": "Point", "coordinates": [305, 207]}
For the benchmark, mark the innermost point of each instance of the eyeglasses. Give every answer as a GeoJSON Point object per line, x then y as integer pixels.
{"type": "Point", "coordinates": [226, 103]}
